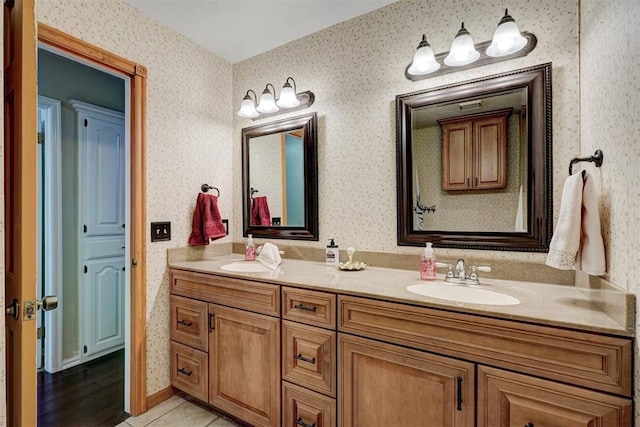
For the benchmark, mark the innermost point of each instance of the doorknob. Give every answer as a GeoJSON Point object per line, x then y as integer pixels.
{"type": "Point", "coordinates": [48, 303]}
{"type": "Point", "coordinates": [13, 310]}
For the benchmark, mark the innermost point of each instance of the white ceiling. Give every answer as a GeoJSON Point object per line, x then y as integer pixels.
{"type": "Point", "coordinates": [239, 29]}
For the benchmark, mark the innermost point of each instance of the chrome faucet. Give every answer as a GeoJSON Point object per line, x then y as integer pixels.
{"type": "Point", "coordinates": [460, 270]}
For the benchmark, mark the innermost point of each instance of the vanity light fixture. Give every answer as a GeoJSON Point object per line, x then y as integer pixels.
{"type": "Point", "coordinates": [506, 38]}
{"type": "Point", "coordinates": [462, 50]}
{"type": "Point", "coordinates": [507, 43]}
{"type": "Point", "coordinates": [269, 105]}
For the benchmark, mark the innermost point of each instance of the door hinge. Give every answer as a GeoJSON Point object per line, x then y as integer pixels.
{"type": "Point", "coordinates": [86, 122]}
{"type": "Point", "coordinates": [84, 227]}
{"type": "Point", "coordinates": [40, 137]}
{"type": "Point", "coordinates": [134, 263]}
{"type": "Point", "coordinates": [85, 349]}
{"type": "Point", "coordinates": [40, 333]}
{"type": "Point", "coordinates": [85, 269]}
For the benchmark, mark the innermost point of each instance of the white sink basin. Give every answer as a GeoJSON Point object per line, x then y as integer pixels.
{"type": "Point", "coordinates": [465, 294]}
{"type": "Point", "coordinates": [246, 267]}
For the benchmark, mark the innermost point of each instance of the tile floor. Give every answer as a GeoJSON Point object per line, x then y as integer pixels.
{"type": "Point", "coordinates": [177, 412]}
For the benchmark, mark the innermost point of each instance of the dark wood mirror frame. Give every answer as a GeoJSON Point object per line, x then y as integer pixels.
{"type": "Point", "coordinates": [537, 82]}
{"type": "Point", "coordinates": [309, 124]}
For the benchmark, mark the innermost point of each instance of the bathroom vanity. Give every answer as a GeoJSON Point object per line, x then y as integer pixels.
{"type": "Point", "coordinates": [308, 345]}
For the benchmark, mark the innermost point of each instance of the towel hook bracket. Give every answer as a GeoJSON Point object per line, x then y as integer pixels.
{"type": "Point", "coordinates": [207, 187]}
{"type": "Point", "coordinates": [597, 158]}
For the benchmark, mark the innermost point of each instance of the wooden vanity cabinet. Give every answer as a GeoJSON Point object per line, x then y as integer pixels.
{"type": "Point", "coordinates": [510, 399]}
{"type": "Point", "coordinates": [308, 358]}
{"type": "Point", "coordinates": [388, 385]}
{"type": "Point", "coordinates": [244, 368]}
{"type": "Point", "coordinates": [225, 344]}
{"type": "Point", "coordinates": [474, 151]}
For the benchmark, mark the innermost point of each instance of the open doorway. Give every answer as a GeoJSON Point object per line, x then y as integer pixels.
{"type": "Point", "coordinates": [84, 199]}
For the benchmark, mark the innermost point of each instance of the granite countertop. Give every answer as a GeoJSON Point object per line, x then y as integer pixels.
{"type": "Point", "coordinates": [546, 304]}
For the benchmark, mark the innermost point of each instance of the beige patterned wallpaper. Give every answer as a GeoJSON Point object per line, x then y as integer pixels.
{"type": "Point", "coordinates": [189, 131]}
{"type": "Point", "coordinates": [356, 69]}
{"type": "Point", "coordinates": [610, 120]}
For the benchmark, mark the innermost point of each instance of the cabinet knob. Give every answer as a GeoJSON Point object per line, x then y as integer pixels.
{"type": "Point", "coordinates": [185, 372]}
{"type": "Point", "coordinates": [302, 423]}
{"type": "Point", "coordinates": [305, 308]}
{"type": "Point", "coordinates": [304, 359]}
{"type": "Point", "coordinates": [185, 323]}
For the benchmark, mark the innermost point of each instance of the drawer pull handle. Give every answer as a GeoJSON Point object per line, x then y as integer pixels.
{"type": "Point", "coordinates": [211, 325]}
{"type": "Point", "coordinates": [302, 423]}
{"type": "Point", "coordinates": [185, 323]}
{"type": "Point", "coordinates": [305, 308]}
{"type": "Point", "coordinates": [304, 359]}
{"type": "Point", "coordinates": [529, 425]}
{"type": "Point", "coordinates": [185, 372]}
{"type": "Point", "coordinates": [459, 407]}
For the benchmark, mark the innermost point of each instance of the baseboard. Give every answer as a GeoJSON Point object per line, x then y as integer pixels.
{"type": "Point", "coordinates": [157, 398]}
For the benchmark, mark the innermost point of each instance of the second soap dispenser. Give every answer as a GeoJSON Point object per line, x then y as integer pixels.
{"type": "Point", "coordinates": [332, 254]}
{"type": "Point", "coordinates": [428, 263]}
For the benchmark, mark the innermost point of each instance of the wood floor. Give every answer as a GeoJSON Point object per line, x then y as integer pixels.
{"type": "Point", "coordinates": [91, 394]}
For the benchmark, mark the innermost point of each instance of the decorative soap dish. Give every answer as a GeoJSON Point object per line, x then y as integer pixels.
{"type": "Point", "coordinates": [351, 266]}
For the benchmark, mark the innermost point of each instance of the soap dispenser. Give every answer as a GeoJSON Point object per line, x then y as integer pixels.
{"type": "Point", "coordinates": [250, 249]}
{"type": "Point", "coordinates": [332, 254]}
{"type": "Point", "coordinates": [428, 263]}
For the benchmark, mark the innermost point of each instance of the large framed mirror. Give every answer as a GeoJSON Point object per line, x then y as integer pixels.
{"type": "Point", "coordinates": [280, 179]}
{"type": "Point", "coordinates": [474, 163]}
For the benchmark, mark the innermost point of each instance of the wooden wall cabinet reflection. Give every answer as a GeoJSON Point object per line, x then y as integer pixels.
{"type": "Point", "coordinates": [474, 151]}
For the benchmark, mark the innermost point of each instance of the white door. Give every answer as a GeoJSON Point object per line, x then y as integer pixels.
{"type": "Point", "coordinates": [101, 137]}
{"type": "Point", "coordinates": [106, 298]}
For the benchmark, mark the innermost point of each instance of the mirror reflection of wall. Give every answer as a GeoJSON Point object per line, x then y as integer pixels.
{"type": "Point", "coordinates": [277, 173]}
{"type": "Point", "coordinates": [469, 208]}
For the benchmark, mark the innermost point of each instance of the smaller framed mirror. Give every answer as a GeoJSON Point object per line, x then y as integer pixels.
{"type": "Point", "coordinates": [280, 179]}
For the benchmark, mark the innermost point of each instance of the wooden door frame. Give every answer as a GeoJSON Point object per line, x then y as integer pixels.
{"type": "Point", "coordinates": [138, 76]}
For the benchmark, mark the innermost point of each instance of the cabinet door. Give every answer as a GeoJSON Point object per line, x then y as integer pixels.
{"type": "Point", "coordinates": [457, 156]}
{"type": "Point", "coordinates": [244, 365]}
{"type": "Point", "coordinates": [509, 399]}
{"type": "Point", "coordinates": [386, 385]}
{"type": "Point", "coordinates": [490, 145]}
{"type": "Point", "coordinates": [104, 305]}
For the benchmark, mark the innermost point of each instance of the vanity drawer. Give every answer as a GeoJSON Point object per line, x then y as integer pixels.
{"type": "Point", "coordinates": [586, 359]}
{"type": "Point", "coordinates": [190, 370]}
{"type": "Point", "coordinates": [309, 357]}
{"type": "Point", "coordinates": [189, 322]}
{"type": "Point", "coordinates": [244, 294]}
{"type": "Point", "coordinates": [312, 307]}
{"type": "Point", "coordinates": [304, 407]}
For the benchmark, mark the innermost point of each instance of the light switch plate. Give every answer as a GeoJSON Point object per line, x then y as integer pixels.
{"type": "Point", "coordinates": [160, 231]}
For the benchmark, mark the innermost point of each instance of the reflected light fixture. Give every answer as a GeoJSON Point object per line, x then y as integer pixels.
{"type": "Point", "coordinates": [269, 105]}
{"type": "Point", "coordinates": [507, 43]}
{"type": "Point", "coordinates": [424, 61]}
{"type": "Point", "coordinates": [506, 38]}
{"type": "Point", "coordinates": [462, 51]}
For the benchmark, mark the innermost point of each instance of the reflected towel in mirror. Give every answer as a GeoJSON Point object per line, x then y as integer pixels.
{"type": "Point", "coordinates": [207, 222]}
{"type": "Point", "coordinates": [260, 211]}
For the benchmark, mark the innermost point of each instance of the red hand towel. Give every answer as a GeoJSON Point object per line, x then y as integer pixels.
{"type": "Point", "coordinates": [207, 222]}
{"type": "Point", "coordinates": [260, 211]}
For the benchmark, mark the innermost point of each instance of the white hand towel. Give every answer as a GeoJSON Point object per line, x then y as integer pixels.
{"type": "Point", "coordinates": [270, 256]}
{"type": "Point", "coordinates": [591, 253]}
{"type": "Point", "coordinates": [565, 242]}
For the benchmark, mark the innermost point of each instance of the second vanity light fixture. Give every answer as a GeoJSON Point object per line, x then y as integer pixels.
{"type": "Point", "coordinates": [507, 43]}
{"type": "Point", "coordinates": [268, 105]}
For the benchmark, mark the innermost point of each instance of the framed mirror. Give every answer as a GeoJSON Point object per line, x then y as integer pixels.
{"type": "Point", "coordinates": [474, 163]}
{"type": "Point", "coordinates": [280, 179]}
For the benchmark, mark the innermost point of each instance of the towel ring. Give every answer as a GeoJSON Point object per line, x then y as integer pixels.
{"type": "Point", "coordinates": [207, 187]}
{"type": "Point", "coordinates": [597, 158]}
